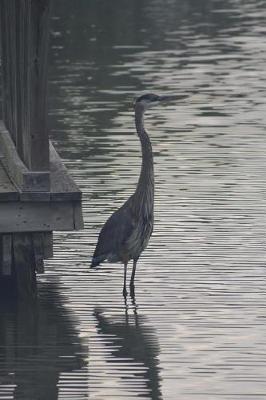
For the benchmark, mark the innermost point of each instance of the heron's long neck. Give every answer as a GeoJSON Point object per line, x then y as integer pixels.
{"type": "Point", "coordinates": [145, 187]}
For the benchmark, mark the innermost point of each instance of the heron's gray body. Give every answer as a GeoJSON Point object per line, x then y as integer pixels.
{"type": "Point", "coordinates": [123, 241]}
{"type": "Point", "coordinates": [127, 232]}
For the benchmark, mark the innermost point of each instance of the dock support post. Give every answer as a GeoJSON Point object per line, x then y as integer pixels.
{"type": "Point", "coordinates": [23, 265]}
{"type": "Point", "coordinates": [21, 257]}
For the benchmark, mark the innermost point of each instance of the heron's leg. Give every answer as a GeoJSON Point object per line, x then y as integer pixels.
{"type": "Point", "coordinates": [132, 286]}
{"type": "Point", "coordinates": [125, 280]}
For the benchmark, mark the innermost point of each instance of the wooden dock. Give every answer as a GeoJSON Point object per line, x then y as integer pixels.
{"type": "Point", "coordinates": [37, 195]}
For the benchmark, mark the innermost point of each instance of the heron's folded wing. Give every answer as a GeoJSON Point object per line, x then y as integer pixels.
{"type": "Point", "coordinates": [115, 232]}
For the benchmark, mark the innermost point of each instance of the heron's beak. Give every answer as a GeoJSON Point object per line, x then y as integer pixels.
{"type": "Point", "coordinates": [172, 97]}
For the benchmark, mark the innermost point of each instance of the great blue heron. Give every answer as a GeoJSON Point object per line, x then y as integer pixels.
{"type": "Point", "coordinates": [127, 232]}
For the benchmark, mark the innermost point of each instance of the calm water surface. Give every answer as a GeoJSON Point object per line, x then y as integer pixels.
{"type": "Point", "coordinates": [197, 327]}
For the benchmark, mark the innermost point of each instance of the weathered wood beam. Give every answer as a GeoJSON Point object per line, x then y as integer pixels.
{"type": "Point", "coordinates": [40, 247]}
{"type": "Point", "coordinates": [7, 65]}
{"type": "Point", "coordinates": [25, 33]}
{"type": "Point", "coordinates": [24, 265]}
{"type": "Point", "coordinates": [8, 192]}
{"type": "Point", "coordinates": [6, 252]}
{"type": "Point", "coordinates": [18, 265]}
{"type": "Point", "coordinates": [21, 176]}
{"type": "Point", "coordinates": [38, 216]}
{"type": "Point", "coordinates": [37, 241]}
{"type": "Point", "coordinates": [58, 209]}
{"type": "Point", "coordinates": [55, 184]}
{"type": "Point", "coordinates": [47, 245]}
{"type": "Point", "coordinates": [36, 147]}
{"type": "Point", "coordinates": [63, 186]}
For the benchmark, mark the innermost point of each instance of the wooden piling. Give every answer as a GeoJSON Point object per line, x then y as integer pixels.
{"type": "Point", "coordinates": [25, 29]}
{"type": "Point", "coordinates": [37, 195]}
{"type": "Point", "coordinates": [21, 258]}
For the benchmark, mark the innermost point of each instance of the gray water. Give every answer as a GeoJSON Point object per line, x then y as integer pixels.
{"type": "Point", "coordinates": [197, 327]}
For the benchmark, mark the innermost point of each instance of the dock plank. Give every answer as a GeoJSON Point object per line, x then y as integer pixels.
{"type": "Point", "coordinates": [25, 179]}
{"type": "Point", "coordinates": [63, 187]}
{"type": "Point", "coordinates": [36, 217]}
{"type": "Point", "coordinates": [8, 191]}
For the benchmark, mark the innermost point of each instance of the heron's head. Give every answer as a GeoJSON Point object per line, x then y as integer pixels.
{"type": "Point", "coordinates": [149, 100]}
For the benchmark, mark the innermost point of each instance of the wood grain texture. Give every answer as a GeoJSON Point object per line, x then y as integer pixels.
{"type": "Point", "coordinates": [34, 217]}
{"type": "Point", "coordinates": [6, 262]}
{"type": "Point", "coordinates": [21, 176]}
{"type": "Point", "coordinates": [37, 134]}
{"type": "Point", "coordinates": [78, 218]}
{"type": "Point", "coordinates": [4, 63]}
{"type": "Point", "coordinates": [38, 251]}
{"type": "Point", "coordinates": [53, 185]}
{"type": "Point", "coordinates": [24, 264]}
{"type": "Point", "coordinates": [63, 186]}
{"type": "Point", "coordinates": [47, 245]}
{"type": "Point", "coordinates": [25, 34]}
{"type": "Point", "coordinates": [8, 191]}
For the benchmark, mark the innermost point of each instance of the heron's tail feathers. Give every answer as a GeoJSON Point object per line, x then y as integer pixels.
{"type": "Point", "coordinates": [97, 260]}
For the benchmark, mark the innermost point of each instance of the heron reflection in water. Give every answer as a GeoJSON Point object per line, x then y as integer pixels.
{"type": "Point", "coordinates": [126, 233]}
{"type": "Point", "coordinates": [131, 341]}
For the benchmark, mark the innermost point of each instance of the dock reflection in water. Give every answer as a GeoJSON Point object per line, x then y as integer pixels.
{"type": "Point", "coordinates": [41, 355]}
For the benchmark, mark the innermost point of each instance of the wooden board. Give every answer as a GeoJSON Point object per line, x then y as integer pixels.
{"type": "Point", "coordinates": [38, 250]}
{"type": "Point", "coordinates": [25, 54]}
{"type": "Point", "coordinates": [6, 255]}
{"type": "Point", "coordinates": [47, 245]}
{"type": "Point", "coordinates": [8, 192]}
{"type": "Point", "coordinates": [24, 264]}
{"type": "Point", "coordinates": [40, 216]}
{"type": "Point", "coordinates": [59, 209]}
{"type": "Point", "coordinates": [36, 148]}
{"type": "Point", "coordinates": [53, 185]}
{"type": "Point", "coordinates": [40, 247]}
{"type": "Point", "coordinates": [21, 176]}
{"type": "Point", "coordinates": [63, 186]}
